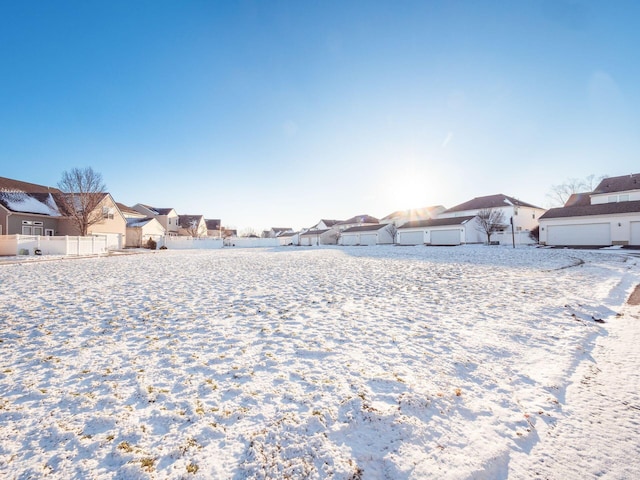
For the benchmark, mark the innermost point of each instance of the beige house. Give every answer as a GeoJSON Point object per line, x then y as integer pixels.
{"type": "Point", "coordinates": [192, 226]}
{"type": "Point", "coordinates": [141, 230]}
{"type": "Point", "coordinates": [167, 217]}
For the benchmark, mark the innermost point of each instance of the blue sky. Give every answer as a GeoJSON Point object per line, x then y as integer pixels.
{"type": "Point", "coordinates": [279, 113]}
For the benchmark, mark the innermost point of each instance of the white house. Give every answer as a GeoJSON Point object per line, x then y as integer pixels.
{"type": "Point", "coordinates": [440, 231]}
{"type": "Point", "coordinates": [357, 221]}
{"type": "Point", "coordinates": [380, 234]}
{"type": "Point", "coordinates": [401, 217]}
{"type": "Point", "coordinates": [520, 216]}
{"type": "Point", "coordinates": [289, 238]}
{"type": "Point", "coordinates": [141, 230]}
{"type": "Point", "coordinates": [610, 215]}
{"type": "Point", "coordinates": [326, 236]}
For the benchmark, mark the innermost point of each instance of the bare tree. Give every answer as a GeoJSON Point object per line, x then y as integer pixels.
{"type": "Point", "coordinates": [490, 220]}
{"type": "Point", "coordinates": [193, 228]}
{"type": "Point", "coordinates": [82, 192]}
{"type": "Point", "coordinates": [559, 194]}
{"type": "Point", "coordinates": [249, 232]}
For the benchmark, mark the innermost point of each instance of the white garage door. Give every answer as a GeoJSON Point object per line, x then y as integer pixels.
{"type": "Point", "coordinates": [445, 237]}
{"type": "Point", "coordinates": [595, 234]}
{"type": "Point", "coordinates": [368, 239]}
{"type": "Point", "coordinates": [635, 233]}
{"type": "Point", "coordinates": [349, 239]}
{"type": "Point", "coordinates": [410, 238]}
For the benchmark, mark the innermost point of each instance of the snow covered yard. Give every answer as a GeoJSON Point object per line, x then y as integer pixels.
{"type": "Point", "coordinates": [363, 362]}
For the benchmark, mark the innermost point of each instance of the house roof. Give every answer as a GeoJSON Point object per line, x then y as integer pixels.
{"type": "Point", "coordinates": [124, 209]}
{"type": "Point", "coordinates": [310, 233]}
{"type": "Point", "coordinates": [185, 221]}
{"type": "Point", "coordinates": [578, 200]}
{"type": "Point", "coordinates": [23, 197]}
{"type": "Point", "coordinates": [359, 219]}
{"type": "Point", "coordinates": [598, 209]}
{"type": "Point", "coordinates": [416, 212]}
{"type": "Point", "coordinates": [288, 234]}
{"type": "Point", "coordinates": [438, 222]}
{"type": "Point", "coordinates": [490, 201]}
{"type": "Point", "coordinates": [138, 222]}
{"type": "Point", "coordinates": [623, 183]}
{"type": "Point", "coordinates": [329, 223]}
{"type": "Point", "coordinates": [157, 211]}
{"type": "Point", "coordinates": [213, 223]}
{"type": "Point", "coordinates": [281, 229]}
{"type": "Point", "coordinates": [365, 228]}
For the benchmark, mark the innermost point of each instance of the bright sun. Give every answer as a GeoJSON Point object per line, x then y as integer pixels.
{"type": "Point", "coordinates": [407, 189]}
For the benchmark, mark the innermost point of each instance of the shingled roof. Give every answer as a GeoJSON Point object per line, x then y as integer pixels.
{"type": "Point", "coordinates": [597, 209]}
{"type": "Point", "coordinates": [623, 183]}
{"type": "Point", "coordinates": [365, 228]}
{"type": "Point", "coordinates": [23, 197]}
{"type": "Point", "coordinates": [490, 201]}
{"type": "Point", "coordinates": [437, 222]}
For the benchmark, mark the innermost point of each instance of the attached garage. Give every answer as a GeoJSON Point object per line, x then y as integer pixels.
{"type": "Point", "coordinates": [445, 237]}
{"type": "Point", "coordinates": [368, 239]}
{"type": "Point", "coordinates": [635, 234]}
{"type": "Point", "coordinates": [411, 238]}
{"type": "Point", "coordinates": [592, 234]}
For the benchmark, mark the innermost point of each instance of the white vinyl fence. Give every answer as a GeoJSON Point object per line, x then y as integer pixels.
{"type": "Point", "coordinates": [521, 238]}
{"type": "Point", "coordinates": [184, 243]}
{"type": "Point", "coordinates": [246, 242]}
{"type": "Point", "coordinates": [44, 245]}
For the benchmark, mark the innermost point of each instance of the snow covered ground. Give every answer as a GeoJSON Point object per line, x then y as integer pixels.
{"type": "Point", "coordinates": [345, 363]}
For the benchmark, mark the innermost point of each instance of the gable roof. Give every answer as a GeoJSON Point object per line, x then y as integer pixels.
{"type": "Point", "coordinates": [124, 209]}
{"type": "Point", "coordinates": [212, 223]}
{"type": "Point", "coordinates": [597, 209]}
{"type": "Point", "coordinates": [366, 228]}
{"type": "Point", "coordinates": [310, 233]}
{"type": "Point", "coordinates": [416, 212]}
{"type": "Point", "coordinates": [329, 223]}
{"type": "Point", "coordinates": [138, 222]}
{"type": "Point", "coordinates": [185, 221]}
{"type": "Point", "coordinates": [578, 200]}
{"type": "Point", "coordinates": [490, 201]}
{"type": "Point", "coordinates": [623, 183]}
{"type": "Point", "coordinates": [23, 197]}
{"type": "Point", "coordinates": [157, 211]}
{"type": "Point", "coordinates": [438, 222]}
{"type": "Point", "coordinates": [359, 219]}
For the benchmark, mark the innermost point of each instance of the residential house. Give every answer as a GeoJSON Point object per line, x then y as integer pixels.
{"type": "Point", "coordinates": [275, 232]}
{"type": "Point", "coordinates": [214, 227]}
{"type": "Point", "coordinates": [610, 215]}
{"type": "Point", "coordinates": [375, 234]}
{"type": "Point", "coordinates": [192, 226]}
{"type": "Point", "coordinates": [440, 231]}
{"type": "Point", "coordinates": [168, 217]}
{"type": "Point", "coordinates": [401, 217]}
{"type": "Point", "coordinates": [28, 209]}
{"type": "Point", "coordinates": [520, 216]}
{"type": "Point", "coordinates": [112, 223]}
{"type": "Point", "coordinates": [141, 230]}
{"type": "Point", "coordinates": [325, 224]}
{"type": "Point", "coordinates": [325, 236]}
{"type": "Point", "coordinates": [289, 238]}
{"type": "Point", "coordinates": [357, 221]}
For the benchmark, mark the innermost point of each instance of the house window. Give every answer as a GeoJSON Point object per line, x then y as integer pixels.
{"type": "Point", "coordinates": [26, 230]}
{"type": "Point", "coordinates": [107, 213]}
{"type": "Point", "coordinates": [37, 230]}
{"type": "Point", "coordinates": [613, 199]}
{"type": "Point", "coordinates": [48, 232]}
{"type": "Point", "coordinates": [623, 198]}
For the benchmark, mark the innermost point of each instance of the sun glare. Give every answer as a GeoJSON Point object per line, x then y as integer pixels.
{"type": "Point", "coordinates": [407, 189]}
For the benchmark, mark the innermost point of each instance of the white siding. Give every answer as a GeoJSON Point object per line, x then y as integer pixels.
{"type": "Point", "coordinates": [368, 238]}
